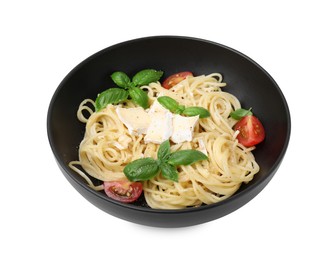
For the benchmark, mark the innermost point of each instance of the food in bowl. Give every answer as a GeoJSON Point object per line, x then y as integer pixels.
{"type": "Point", "coordinates": [183, 143]}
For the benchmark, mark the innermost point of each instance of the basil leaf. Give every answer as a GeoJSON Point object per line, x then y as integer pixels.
{"type": "Point", "coordinates": [170, 104]}
{"type": "Point", "coordinates": [169, 172]}
{"type": "Point", "coordinates": [110, 96]}
{"type": "Point", "coordinates": [139, 96]}
{"type": "Point", "coordinates": [141, 169]}
{"type": "Point", "coordinates": [186, 157]}
{"type": "Point", "coordinates": [239, 113]}
{"type": "Point", "coordinates": [164, 150]}
{"type": "Point", "coordinates": [121, 79]}
{"type": "Point", "coordinates": [194, 111]}
{"type": "Point", "coordinates": [180, 109]}
{"type": "Point", "coordinates": [144, 77]}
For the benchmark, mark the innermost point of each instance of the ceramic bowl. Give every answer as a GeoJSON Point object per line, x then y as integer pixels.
{"type": "Point", "coordinates": [247, 80]}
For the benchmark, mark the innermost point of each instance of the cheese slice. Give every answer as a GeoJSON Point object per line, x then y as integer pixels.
{"type": "Point", "coordinates": [156, 107]}
{"type": "Point", "coordinates": [183, 128]}
{"type": "Point", "coordinates": [202, 146]}
{"type": "Point", "coordinates": [160, 128]}
{"type": "Point", "coordinates": [135, 119]}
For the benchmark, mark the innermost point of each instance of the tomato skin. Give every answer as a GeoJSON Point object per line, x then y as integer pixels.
{"type": "Point", "coordinates": [174, 79]}
{"type": "Point", "coordinates": [251, 131]}
{"type": "Point", "coordinates": [123, 191]}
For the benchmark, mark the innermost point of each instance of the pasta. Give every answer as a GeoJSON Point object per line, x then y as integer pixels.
{"type": "Point", "coordinates": [107, 147]}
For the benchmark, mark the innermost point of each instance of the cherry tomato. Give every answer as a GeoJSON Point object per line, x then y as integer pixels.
{"type": "Point", "coordinates": [175, 79]}
{"type": "Point", "coordinates": [251, 131]}
{"type": "Point", "coordinates": [123, 191]}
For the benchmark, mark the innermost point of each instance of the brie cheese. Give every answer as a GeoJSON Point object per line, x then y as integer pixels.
{"type": "Point", "coordinates": [183, 128]}
{"type": "Point", "coordinates": [160, 128]}
{"type": "Point", "coordinates": [135, 119]}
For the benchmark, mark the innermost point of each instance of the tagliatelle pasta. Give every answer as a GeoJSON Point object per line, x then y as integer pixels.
{"type": "Point", "coordinates": [108, 147]}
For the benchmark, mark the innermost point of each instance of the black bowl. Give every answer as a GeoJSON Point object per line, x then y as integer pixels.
{"type": "Point", "coordinates": [252, 85]}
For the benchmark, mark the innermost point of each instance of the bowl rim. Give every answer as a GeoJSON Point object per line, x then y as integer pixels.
{"type": "Point", "coordinates": [130, 206]}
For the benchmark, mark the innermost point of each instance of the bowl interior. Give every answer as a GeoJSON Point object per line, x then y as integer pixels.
{"type": "Point", "coordinates": [252, 85]}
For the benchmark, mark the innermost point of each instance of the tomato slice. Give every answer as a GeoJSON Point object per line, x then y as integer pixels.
{"type": "Point", "coordinates": [174, 79]}
{"type": "Point", "coordinates": [123, 191]}
{"type": "Point", "coordinates": [251, 131]}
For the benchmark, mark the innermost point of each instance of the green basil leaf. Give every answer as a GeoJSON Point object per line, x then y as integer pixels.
{"type": "Point", "coordinates": [170, 104]}
{"type": "Point", "coordinates": [121, 79]}
{"type": "Point", "coordinates": [164, 151]}
{"type": "Point", "coordinates": [141, 169]}
{"type": "Point", "coordinates": [194, 111]}
{"type": "Point", "coordinates": [110, 96]}
{"type": "Point", "coordinates": [186, 157]}
{"type": "Point", "coordinates": [239, 113]}
{"type": "Point", "coordinates": [180, 109]}
{"type": "Point", "coordinates": [144, 77]}
{"type": "Point", "coordinates": [169, 172]}
{"type": "Point", "coordinates": [139, 96]}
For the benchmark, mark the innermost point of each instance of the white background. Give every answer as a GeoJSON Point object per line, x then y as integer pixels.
{"type": "Point", "coordinates": [43, 217]}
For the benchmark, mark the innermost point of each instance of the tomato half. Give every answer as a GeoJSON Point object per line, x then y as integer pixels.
{"type": "Point", "coordinates": [251, 131]}
{"type": "Point", "coordinates": [174, 79]}
{"type": "Point", "coordinates": [123, 191]}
